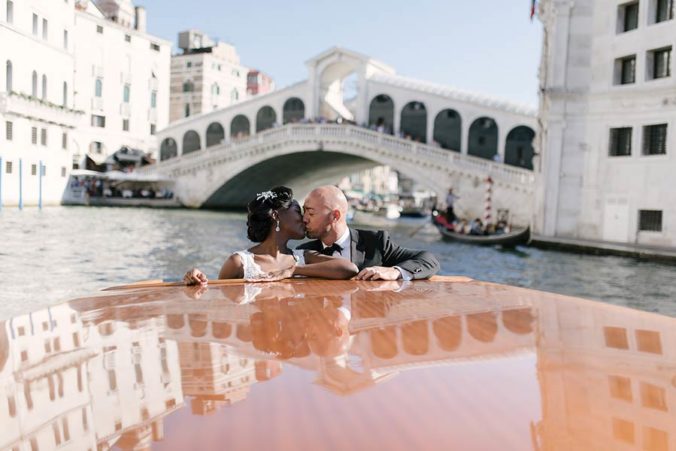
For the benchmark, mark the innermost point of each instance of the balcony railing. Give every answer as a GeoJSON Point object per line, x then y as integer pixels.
{"type": "Point", "coordinates": [37, 109]}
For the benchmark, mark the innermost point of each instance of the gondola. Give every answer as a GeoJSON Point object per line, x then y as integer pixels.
{"type": "Point", "coordinates": [513, 238]}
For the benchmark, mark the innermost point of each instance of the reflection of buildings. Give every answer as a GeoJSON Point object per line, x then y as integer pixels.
{"type": "Point", "coordinates": [87, 385]}
{"type": "Point", "coordinates": [106, 374]}
{"type": "Point", "coordinates": [607, 379]}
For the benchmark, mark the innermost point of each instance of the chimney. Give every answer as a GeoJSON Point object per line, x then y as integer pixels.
{"type": "Point", "coordinates": [140, 19]}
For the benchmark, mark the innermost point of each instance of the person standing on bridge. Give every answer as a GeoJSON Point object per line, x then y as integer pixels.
{"type": "Point", "coordinates": [373, 252]}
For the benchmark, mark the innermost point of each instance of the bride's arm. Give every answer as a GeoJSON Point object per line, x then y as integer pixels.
{"type": "Point", "coordinates": [232, 268]}
{"type": "Point", "coordinates": [318, 265]}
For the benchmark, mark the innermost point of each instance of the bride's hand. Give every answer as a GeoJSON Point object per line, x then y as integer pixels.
{"type": "Point", "coordinates": [195, 277]}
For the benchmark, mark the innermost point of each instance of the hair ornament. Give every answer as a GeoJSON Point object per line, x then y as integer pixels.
{"type": "Point", "coordinates": [265, 195]}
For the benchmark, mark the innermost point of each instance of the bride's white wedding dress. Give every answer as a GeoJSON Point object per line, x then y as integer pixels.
{"type": "Point", "coordinates": [253, 271]}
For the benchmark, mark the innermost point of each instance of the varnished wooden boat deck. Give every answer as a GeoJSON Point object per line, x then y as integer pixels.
{"type": "Point", "coordinates": [450, 363]}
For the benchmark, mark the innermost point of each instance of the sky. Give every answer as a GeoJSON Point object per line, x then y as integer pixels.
{"type": "Point", "coordinates": [484, 46]}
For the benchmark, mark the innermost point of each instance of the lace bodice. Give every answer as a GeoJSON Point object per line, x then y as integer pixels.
{"type": "Point", "coordinates": [252, 270]}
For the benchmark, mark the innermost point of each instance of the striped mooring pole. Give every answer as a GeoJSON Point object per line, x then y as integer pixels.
{"type": "Point", "coordinates": [488, 201]}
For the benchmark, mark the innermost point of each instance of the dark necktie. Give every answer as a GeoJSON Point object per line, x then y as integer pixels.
{"type": "Point", "coordinates": [329, 250]}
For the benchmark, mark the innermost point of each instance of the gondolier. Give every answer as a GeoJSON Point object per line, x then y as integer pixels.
{"type": "Point", "coordinates": [450, 201]}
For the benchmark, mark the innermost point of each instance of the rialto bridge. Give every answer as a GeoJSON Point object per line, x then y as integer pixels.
{"type": "Point", "coordinates": [353, 113]}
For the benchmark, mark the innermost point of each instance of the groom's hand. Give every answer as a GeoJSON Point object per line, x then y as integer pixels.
{"type": "Point", "coordinates": [378, 273]}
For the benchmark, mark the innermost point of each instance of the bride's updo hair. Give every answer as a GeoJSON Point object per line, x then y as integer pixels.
{"type": "Point", "coordinates": [259, 218]}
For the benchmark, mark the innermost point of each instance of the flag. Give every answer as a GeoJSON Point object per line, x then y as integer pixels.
{"type": "Point", "coordinates": [532, 9]}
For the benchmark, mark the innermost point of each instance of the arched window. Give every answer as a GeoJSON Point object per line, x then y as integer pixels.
{"type": "Point", "coordinates": [44, 87]}
{"type": "Point", "coordinates": [240, 127]}
{"type": "Point", "coordinates": [34, 84]}
{"type": "Point", "coordinates": [234, 96]}
{"type": "Point", "coordinates": [448, 331]}
{"type": "Point", "coordinates": [187, 110]}
{"type": "Point", "coordinates": [384, 342]}
{"type": "Point", "coordinates": [188, 86]}
{"type": "Point", "coordinates": [447, 130]}
{"type": "Point", "coordinates": [381, 114]}
{"type": "Point", "coordinates": [414, 337]}
{"type": "Point", "coordinates": [126, 93]}
{"type": "Point", "coordinates": [10, 11]}
{"type": "Point", "coordinates": [293, 110]}
{"type": "Point", "coordinates": [215, 134]}
{"type": "Point", "coordinates": [265, 118]}
{"type": "Point", "coordinates": [98, 87]}
{"type": "Point", "coordinates": [8, 76]}
{"type": "Point", "coordinates": [191, 142]}
{"type": "Point", "coordinates": [414, 121]}
{"type": "Point", "coordinates": [519, 147]}
{"type": "Point", "coordinates": [168, 149]}
{"type": "Point", "coordinates": [483, 138]}
{"type": "Point", "coordinates": [65, 94]}
{"type": "Point", "coordinates": [215, 89]}
{"type": "Point", "coordinates": [482, 326]}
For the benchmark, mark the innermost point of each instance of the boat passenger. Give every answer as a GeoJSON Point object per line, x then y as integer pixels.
{"type": "Point", "coordinates": [374, 252]}
{"type": "Point", "coordinates": [274, 217]}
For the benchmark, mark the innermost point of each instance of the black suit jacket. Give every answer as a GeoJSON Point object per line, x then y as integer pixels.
{"type": "Point", "coordinates": [375, 248]}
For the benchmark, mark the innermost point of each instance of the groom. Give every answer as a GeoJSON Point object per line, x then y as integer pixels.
{"type": "Point", "coordinates": [374, 253]}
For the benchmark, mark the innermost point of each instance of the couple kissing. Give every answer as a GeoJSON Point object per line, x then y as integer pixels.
{"type": "Point", "coordinates": [336, 252]}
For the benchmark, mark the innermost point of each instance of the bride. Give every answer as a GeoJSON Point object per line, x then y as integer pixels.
{"type": "Point", "coordinates": [274, 217]}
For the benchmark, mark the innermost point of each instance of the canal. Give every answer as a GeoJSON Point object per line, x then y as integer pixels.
{"type": "Point", "coordinates": [71, 252]}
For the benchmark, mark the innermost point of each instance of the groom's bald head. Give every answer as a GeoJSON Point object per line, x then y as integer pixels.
{"type": "Point", "coordinates": [325, 213]}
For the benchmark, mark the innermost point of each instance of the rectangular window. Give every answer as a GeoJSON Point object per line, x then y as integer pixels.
{"type": "Point", "coordinates": [10, 11]}
{"type": "Point", "coordinates": [45, 28]}
{"type": "Point", "coordinates": [127, 38]}
{"type": "Point", "coordinates": [64, 141]}
{"type": "Point", "coordinates": [188, 64]}
{"type": "Point", "coordinates": [664, 10]}
{"type": "Point", "coordinates": [8, 167]}
{"type": "Point", "coordinates": [154, 47]}
{"type": "Point", "coordinates": [625, 70]}
{"type": "Point", "coordinates": [9, 130]}
{"type": "Point", "coordinates": [650, 220]}
{"type": "Point", "coordinates": [620, 142]}
{"type": "Point", "coordinates": [44, 174]}
{"type": "Point", "coordinates": [153, 99]}
{"type": "Point", "coordinates": [43, 136]}
{"type": "Point", "coordinates": [99, 29]}
{"type": "Point", "coordinates": [34, 135]}
{"type": "Point", "coordinates": [153, 129]}
{"type": "Point", "coordinates": [34, 169]}
{"type": "Point", "coordinates": [65, 39]}
{"type": "Point", "coordinates": [655, 139]}
{"type": "Point", "coordinates": [628, 16]}
{"type": "Point", "coordinates": [126, 93]}
{"type": "Point", "coordinates": [125, 125]}
{"type": "Point", "coordinates": [659, 63]}
{"type": "Point", "coordinates": [63, 171]}
{"type": "Point", "coordinates": [35, 24]}
{"type": "Point", "coordinates": [98, 121]}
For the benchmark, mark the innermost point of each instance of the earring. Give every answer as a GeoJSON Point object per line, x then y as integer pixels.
{"type": "Point", "coordinates": [277, 228]}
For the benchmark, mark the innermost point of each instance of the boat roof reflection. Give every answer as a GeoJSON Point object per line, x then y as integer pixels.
{"type": "Point", "coordinates": [338, 364]}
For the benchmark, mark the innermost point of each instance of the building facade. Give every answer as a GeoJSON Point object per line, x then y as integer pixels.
{"type": "Point", "coordinates": [607, 109]}
{"type": "Point", "coordinates": [38, 115]}
{"type": "Point", "coordinates": [67, 91]}
{"type": "Point", "coordinates": [122, 75]}
{"type": "Point", "coordinates": [207, 75]}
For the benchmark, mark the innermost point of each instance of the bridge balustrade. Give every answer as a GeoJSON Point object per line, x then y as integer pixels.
{"type": "Point", "coordinates": [398, 148]}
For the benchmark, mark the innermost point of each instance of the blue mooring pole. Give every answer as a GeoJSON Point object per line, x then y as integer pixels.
{"type": "Point", "coordinates": [20, 184]}
{"type": "Point", "coordinates": [40, 186]}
